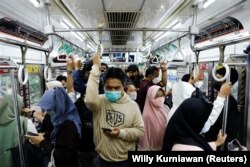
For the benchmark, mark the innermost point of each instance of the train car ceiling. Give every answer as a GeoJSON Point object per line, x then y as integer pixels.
{"type": "Point", "coordinates": [173, 14]}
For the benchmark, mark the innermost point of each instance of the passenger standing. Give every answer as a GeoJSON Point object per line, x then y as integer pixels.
{"type": "Point", "coordinates": [134, 75]}
{"type": "Point", "coordinates": [64, 139]}
{"type": "Point", "coordinates": [8, 137]}
{"type": "Point", "coordinates": [155, 120]}
{"type": "Point", "coordinates": [181, 91]}
{"type": "Point", "coordinates": [152, 73]}
{"type": "Point", "coordinates": [233, 118]}
{"type": "Point", "coordinates": [183, 130]}
{"type": "Point", "coordinates": [113, 110]}
{"type": "Point", "coordinates": [130, 89]}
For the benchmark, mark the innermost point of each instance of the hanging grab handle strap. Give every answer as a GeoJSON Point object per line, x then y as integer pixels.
{"type": "Point", "coordinates": [97, 49]}
{"type": "Point", "coordinates": [140, 53]}
{"type": "Point", "coordinates": [20, 75]}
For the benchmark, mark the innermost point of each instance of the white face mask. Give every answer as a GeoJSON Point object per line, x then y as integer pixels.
{"type": "Point", "coordinates": [133, 95]}
{"type": "Point", "coordinates": [198, 84]}
{"type": "Point", "coordinates": [156, 80]}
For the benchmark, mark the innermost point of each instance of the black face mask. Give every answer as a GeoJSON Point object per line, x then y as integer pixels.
{"type": "Point", "coordinates": [217, 85]}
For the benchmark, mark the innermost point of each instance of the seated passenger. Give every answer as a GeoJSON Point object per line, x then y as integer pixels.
{"type": "Point", "coordinates": [64, 139]}
{"type": "Point", "coordinates": [183, 130]}
{"type": "Point", "coordinates": [155, 120]}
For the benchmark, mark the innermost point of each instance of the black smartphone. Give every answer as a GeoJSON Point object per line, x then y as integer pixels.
{"type": "Point", "coordinates": [106, 129]}
{"type": "Point", "coordinates": [31, 134]}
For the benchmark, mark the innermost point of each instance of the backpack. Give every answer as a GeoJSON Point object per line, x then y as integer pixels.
{"type": "Point", "coordinates": [86, 116]}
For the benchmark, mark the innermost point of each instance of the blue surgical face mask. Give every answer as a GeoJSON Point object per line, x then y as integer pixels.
{"type": "Point", "coordinates": [113, 96]}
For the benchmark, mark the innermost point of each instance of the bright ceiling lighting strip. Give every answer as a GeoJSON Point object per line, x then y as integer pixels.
{"type": "Point", "coordinates": [208, 3]}
{"type": "Point", "coordinates": [36, 3]}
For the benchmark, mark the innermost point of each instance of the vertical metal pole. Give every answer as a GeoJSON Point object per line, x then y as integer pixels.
{"type": "Point", "coordinates": [247, 110]}
{"type": "Point", "coordinates": [49, 23]}
{"type": "Point", "coordinates": [18, 127]}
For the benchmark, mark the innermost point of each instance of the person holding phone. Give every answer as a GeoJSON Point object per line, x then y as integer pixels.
{"type": "Point", "coordinates": [114, 110]}
{"type": "Point", "coordinates": [66, 133]}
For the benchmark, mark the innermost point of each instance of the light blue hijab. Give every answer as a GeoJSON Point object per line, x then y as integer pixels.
{"type": "Point", "coordinates": [57, 100]}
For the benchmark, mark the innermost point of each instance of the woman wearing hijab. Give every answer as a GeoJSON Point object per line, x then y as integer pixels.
{"type": "Point", "coordinates": [64, 139]}
{"type": "Point", "coordinates": [155, 119]}
{"type": "Point", "coordinates": [183, 130]}
{"type": "Point", "coordinates": [233, 116]}
{"type": "Point", "coordinates": [8, 137]}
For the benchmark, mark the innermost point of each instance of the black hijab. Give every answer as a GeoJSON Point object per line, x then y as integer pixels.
{"type": "Point", "coordinates": [186, 124]}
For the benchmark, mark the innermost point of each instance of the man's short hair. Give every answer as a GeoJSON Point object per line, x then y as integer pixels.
{"type": "Point", "coordinates": [104, 64]}
{"type": "Point", "coordinates": [115, 73]}
{"type": "Point", "coordinates": [132, 68]}
{"type": "Point", "coordinates": [61, 78]}
{"type": "Point", "coordinates": [185, 78]}
{"type": "Point", "coordinates": [151, 70]}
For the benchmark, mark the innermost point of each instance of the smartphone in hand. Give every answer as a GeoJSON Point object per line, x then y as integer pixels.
{"type": "Point", "coordinates": [106, 129]}
{"type": "Point", "coordinates": [31, 134]}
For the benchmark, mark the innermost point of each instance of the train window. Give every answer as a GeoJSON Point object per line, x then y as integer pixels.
{"type": "Point", "coordinates": [172, 78]}
{"type": "Point", "coordinates": [34, 88]}
{"type": "Point", "coordinates": [5, 84]}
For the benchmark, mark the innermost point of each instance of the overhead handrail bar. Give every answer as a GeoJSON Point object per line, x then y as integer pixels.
{"type": "Point", "coordinates": [224, 43]}
{"type": "Point", "coordinates": [22, 44]}
{"type": "Point", "coordinates": [120, 29]}
{"type": "Point", "coordinates": [22, 68]}
{"type": "Point", "coordinates": [171, 41]}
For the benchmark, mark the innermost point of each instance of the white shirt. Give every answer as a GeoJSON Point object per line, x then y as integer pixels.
{"type": "Point", "coordinates": [218, 106]}
{"type": "Point", "coordinates": [181, 91]}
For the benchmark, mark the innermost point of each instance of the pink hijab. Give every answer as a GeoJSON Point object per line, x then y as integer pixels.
{"type": "Point", "coordinates": [155, 122]}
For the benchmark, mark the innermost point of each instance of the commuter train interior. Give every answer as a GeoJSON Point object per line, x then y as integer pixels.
{"type": "Point", "coordinates": [38, 36]}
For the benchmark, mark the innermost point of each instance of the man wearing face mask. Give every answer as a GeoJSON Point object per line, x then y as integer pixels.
{"type": "Point", "coordinates": [117, 119]}
{"type": "Point", "coordinates": [198, 83]}
{"type": "Point", "coordinates": [214, 121]}
{"type": "Point", "coordinates": [151, 78]}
